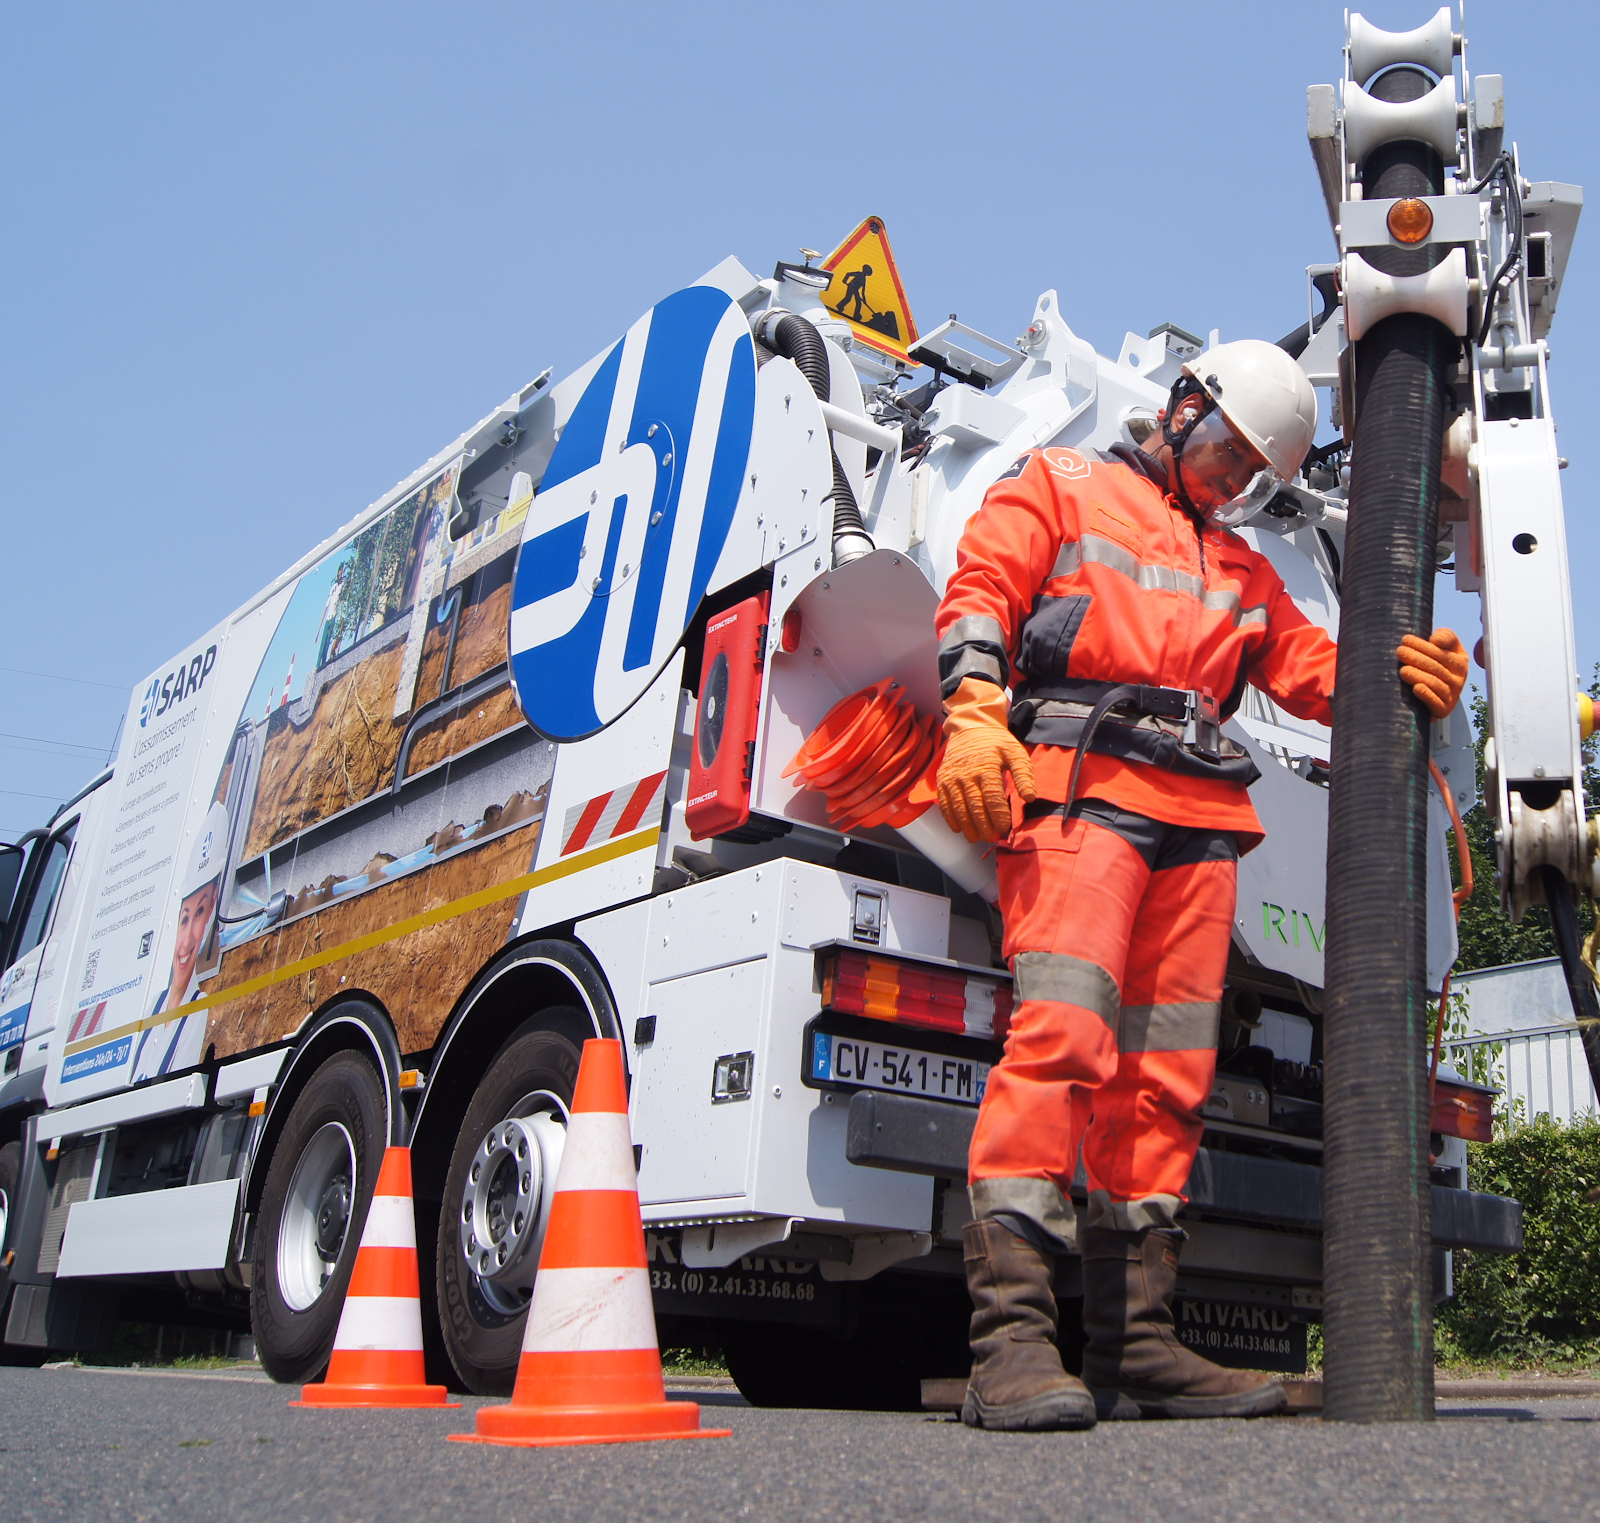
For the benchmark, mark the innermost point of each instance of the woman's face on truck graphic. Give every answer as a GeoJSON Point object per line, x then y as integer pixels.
{"type": "Point", "coordinates": [194, 920]}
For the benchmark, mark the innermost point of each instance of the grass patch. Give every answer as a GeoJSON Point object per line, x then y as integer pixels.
{"type": "Point", "coordinates": [692, 1361]}
{"type": "Point", "coordinates": [149, 1346]}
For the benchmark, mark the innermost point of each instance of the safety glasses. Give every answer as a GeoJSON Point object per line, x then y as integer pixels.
{"type": "Point", "coordinates": [1224, 474]}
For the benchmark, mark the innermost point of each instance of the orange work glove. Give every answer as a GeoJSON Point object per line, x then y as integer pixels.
{"type": "Point", "coordinates": [1435, 669]}
{"type": "Point", "coordinates": [979, 751]}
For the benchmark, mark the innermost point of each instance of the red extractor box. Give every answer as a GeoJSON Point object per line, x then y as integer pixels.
{"type": "Point", "coordinates": [725, 720]}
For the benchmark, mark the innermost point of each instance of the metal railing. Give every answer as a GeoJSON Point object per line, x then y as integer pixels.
{"type": "Point", "coordinates": [1539, 1072]}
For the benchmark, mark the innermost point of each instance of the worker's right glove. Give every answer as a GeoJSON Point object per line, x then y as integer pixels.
{"type": "Point", "coordinates": [1434, 669]}
{"type": "Point", "coordinates": [979, 751]}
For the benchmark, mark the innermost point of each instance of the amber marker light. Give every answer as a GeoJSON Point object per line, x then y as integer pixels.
{"type": "Point", "coordinates": [1410, 220]}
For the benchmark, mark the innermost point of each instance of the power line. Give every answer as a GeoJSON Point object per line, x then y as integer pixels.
{"type": "Point", "coordinates": [17, 793]}
{"type": "Point", "coordinates": [54, 677]}
{"type": "Point", "coordinates": [45, 740]}
{"type": "Point", "coordinates": [55, 754]}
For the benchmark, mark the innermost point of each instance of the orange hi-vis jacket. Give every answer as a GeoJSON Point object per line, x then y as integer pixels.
{"type": "Point", "coordinates": [1080, 566]}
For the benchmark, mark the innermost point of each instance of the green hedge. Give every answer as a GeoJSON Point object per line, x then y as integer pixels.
{"type": "Point", "coordinates": [1541, 1305]}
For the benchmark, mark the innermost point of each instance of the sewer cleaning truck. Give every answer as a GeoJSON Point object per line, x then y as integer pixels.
{"type": "Point", "coordinates": [617, 718]}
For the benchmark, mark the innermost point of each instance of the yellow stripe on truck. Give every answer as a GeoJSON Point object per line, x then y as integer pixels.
{"type": "Point", "coordinates": [622, 847]}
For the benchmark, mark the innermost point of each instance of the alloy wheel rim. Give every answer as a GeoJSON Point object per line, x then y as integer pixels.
{"type": "Point", "coordinates": [316, 1216]}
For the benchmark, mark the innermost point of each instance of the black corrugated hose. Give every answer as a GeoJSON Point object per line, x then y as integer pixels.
{"type": "Point", "coordinates": [1563, 903]}
{"type": "Point", "coordinates": [1377, 1249]}
{"type": "Point", "coordinates": [798, 340]}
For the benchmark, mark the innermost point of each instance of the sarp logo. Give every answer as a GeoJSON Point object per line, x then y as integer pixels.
{"type": "Point", "coordinates": [177, 685]}
{"type": "Point", "coordinates": [633, 513]}
{"type": "Point", "coordinates": [1066, 462]}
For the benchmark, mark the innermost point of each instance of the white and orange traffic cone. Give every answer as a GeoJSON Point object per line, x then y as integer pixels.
{"type": "Point", "coordinates": [591, 1367]}
{"type": "Point", "coordinates": [377, 1353]}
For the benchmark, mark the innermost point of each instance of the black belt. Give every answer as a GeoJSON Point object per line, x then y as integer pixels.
{"type": "Point", "coordinates": [1174, 703]}
{"type": "Point", "coordinates": [1175, 728]}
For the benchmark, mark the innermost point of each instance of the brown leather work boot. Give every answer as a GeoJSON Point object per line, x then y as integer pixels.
{"type": "Point", "coordinates": [1134, 1363]}
{"type": "Point", "coordinates": [1017, 1379]}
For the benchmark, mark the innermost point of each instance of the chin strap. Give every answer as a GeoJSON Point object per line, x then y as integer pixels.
{"type": "Point", "coordinates": [1183, 388]}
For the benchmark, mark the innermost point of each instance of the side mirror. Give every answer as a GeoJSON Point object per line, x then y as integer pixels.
{"type": "Point", "coordinates": [11, 860]}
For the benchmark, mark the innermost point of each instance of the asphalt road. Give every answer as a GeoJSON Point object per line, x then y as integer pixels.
{"type": "Point", "coordinates": [84, 1444]}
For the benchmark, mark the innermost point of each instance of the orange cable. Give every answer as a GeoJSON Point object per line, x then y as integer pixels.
{"type": "Point", "coordinates": [1458, 898]}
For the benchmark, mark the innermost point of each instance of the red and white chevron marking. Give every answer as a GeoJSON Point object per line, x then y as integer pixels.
{"type": "Point", "coordinates": [612, 814]}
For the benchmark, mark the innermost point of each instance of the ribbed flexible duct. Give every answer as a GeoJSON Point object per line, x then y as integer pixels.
{"type": "Point", "coordinates": [1377, 1258]}
{"type": "Point", "coordinates": [876, 762]}
{"type": "Point", "coordinates": [796, 339]}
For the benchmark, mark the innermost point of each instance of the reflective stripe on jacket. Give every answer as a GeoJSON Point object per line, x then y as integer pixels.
{"type": "Point", "coordinates": [1080, 565]}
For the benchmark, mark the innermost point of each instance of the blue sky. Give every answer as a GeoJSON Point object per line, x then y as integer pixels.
{"type": "Point", "coordinates": [262, 262]}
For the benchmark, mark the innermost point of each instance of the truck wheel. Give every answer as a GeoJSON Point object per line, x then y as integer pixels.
{"type": "Point", "coordinates": [10, 1172]}
{"type": "Point", "coordinates": [497, 1204]}
{"type": "Point", "coordinates": [313, 1207]}
{"type": "Point", "coordinates": [797, 1367]}
{"type": "Point", "coordinates": [899, 1330]}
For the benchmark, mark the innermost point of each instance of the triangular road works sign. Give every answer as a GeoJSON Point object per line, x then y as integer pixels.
{"type": "Point", "coordinates": [866, 291]}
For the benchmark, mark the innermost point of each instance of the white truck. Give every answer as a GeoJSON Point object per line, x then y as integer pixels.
{"type": "Point", "coordinates": [505, 763]}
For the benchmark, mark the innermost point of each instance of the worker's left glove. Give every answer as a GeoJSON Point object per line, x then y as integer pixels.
{"type": "Point", "coordinates": [1435, 669]}
{"type": "Point", "coordinates": [979, 751]}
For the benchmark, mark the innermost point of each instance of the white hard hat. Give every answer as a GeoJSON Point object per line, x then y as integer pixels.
{"type": "Point", "coordinates": [1262, 391]}
{"type": "Point", "coordinates": [208, 857]}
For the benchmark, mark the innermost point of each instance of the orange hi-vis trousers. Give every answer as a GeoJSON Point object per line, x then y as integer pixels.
{"type": "Point", "coordinates": [1117, 930]}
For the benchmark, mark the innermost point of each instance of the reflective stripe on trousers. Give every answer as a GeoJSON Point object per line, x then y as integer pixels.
{"type": "Point", "coordinates": [1117, 930]}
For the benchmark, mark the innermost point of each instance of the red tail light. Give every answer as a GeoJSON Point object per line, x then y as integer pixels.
{"type": "Point", "coordinates": [909, 992]}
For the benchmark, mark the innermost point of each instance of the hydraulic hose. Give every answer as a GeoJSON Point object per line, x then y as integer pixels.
{"type": "Point", "coordinates": [1295, 343]}
{"type": "Point", "coordinates": [796, 339]}
{"type": "Point", "coordinates": [1459, 898]}
{"type": "Point", "coordinates": [1563, 903]}
{"type": "Point", "coordinates": [1377, 1229]}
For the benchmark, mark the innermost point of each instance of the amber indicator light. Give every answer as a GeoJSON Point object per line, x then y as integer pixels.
{"type": "Point", "coordinates": [1410, 220]}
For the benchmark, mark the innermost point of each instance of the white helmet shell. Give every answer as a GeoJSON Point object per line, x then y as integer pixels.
{"type": "Point", "coordinates": [1262, 391]}
{"type": "Point", "coordinates": [209, 854]}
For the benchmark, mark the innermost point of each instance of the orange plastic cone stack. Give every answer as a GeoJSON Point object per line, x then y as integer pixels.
{"type": "Point", "coordinates": [591, 1368]}
{"type": "Point", "coordinates": [377, 1353]}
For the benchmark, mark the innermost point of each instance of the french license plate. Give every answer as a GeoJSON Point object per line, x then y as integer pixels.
{"type": "Point", "coordinates": [757, 1288]}
{"type": "Point", "coordinates": [863, 1064]}
{"type": "Point", "coordinates": [1241, 1337]}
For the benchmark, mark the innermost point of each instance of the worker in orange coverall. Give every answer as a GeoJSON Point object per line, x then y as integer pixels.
{"type": "Point", "coordinates": [1108, 592]}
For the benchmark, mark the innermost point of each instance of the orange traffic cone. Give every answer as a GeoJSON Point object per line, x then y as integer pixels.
{"type": "Point", "coordinates": [377, 1353]}
{"type": "Point", "coordinates": [591, 1367]}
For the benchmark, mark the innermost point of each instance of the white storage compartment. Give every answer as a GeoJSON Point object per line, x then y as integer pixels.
{"type": "Point", "coordinates": [714, 1007]}
{"type": "Point", "coordinates": [706, 1029]}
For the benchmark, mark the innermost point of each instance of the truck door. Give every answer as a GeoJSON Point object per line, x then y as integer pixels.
{"type": "Point", "coordinates": [25, 932]}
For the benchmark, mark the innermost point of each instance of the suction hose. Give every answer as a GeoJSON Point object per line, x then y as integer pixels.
{"type": "Point", "coordinates": [794, 338]}
{"type": "Point", "coordinates": [1377, 1234]}
{"type": "Point", "coordinates": [874, 760]}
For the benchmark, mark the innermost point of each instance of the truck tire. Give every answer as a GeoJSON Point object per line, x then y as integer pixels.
{"type": "Point", "coordinates": [482, 1321]}
{"type": "Point", "coordinates": [775, 1366]}
{"type": "Point", "coordinates": [313, 1207]}
{"type": "Point", "coordinates": [10, 1173]}
{"type": "Point", "coordinates": [898, 1331]}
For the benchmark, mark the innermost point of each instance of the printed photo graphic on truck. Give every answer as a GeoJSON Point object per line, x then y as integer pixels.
{"type": "Point", "coordinates": [313, 703]}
